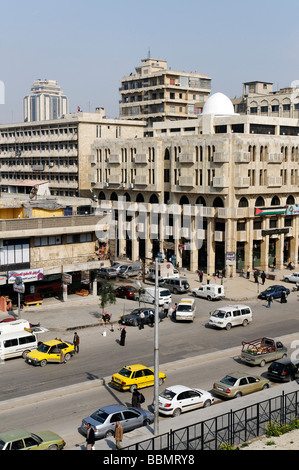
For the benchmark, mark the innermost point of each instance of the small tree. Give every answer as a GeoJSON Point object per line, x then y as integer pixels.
{"type": "Point", "coordinates": [107, 295]}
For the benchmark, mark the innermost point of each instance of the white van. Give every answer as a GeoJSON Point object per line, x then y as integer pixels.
{"type": "Point", "coordinates": [231, 315]}
{"type": "Point", "coordinates": [12, 326]}
{"type": "Point", "coordinates": [147, 295]}
{"type": "Point", "coordinates": [19, 343]}
{"type": "Point", "coordinates": [209, 291]}
{"type": "Point", "coordinates": [165, 270]}
{"type": "Point", "coordinates": [185, 310]}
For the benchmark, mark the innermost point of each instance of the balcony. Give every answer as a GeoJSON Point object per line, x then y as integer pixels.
{"type": "Point", "coordinates": [220, 182]}
{"type": "Point", "coordinates": [274, 181]}
{"type": "Point", "coordinates": [186, 158]}
{"type": "Point", "coordinates": [221, 157]}
{"type": "Point", "coordinates": [242, 157]}
{"type": "Point", "coordinates": [275, 158]}
{"type": "Point", "coordinates": [242, 182]}
{"type": "Point", "coordinates": [219, 236]}
{"type": "Point", "coordinates": [186, 181]}
{"type": "Point", "coordinates": [140, 158]}
{"type": "Point", "coordinates": [140, 180]}
{"type": "Point", "coordinates": [114, 158]}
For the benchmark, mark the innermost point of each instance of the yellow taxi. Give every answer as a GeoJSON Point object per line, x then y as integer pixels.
{"type": "Point", "coordinates": [50, 351]}
{"type": "Point", "coordinates": [135, 376]}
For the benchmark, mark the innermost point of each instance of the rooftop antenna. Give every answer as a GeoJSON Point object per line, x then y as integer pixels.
{"type": "Point", "coordinates": [149, 53]}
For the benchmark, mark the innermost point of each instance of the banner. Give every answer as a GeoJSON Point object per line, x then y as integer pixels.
{"type": "Point", "coordinates": [26, 275]}
{"type": "Point", "coordinates": [292, 209]}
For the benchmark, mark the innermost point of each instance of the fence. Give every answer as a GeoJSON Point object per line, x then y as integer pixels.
{"type": "Point", "coordinates": [234, 427]}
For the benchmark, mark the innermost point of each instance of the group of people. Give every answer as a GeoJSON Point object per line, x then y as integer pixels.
{"type": "Point", "coordinates": [256, 275]}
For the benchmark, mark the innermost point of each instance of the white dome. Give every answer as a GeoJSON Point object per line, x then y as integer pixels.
{"type": "Point", "coordinates": [219, 105]}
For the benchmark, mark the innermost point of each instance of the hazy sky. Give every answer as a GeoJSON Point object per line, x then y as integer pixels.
{"type": "Point", "coordinates": [88, 46]}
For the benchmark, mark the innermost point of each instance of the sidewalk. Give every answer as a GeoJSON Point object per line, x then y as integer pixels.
{"type": "Point", "coordinates": [57, 315]}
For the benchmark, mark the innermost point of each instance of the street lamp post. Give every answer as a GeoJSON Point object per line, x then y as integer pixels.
{"type": "Point", "coordinates": [156, 353]}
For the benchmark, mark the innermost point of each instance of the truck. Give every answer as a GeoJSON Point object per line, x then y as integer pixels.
{"type": "Point", "coordinates": [262, 350]}
{"type": "Point", "coordinates": [165, 270]}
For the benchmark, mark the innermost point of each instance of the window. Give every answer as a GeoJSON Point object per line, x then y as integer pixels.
{"type": "Point", "coordinates": [10, 342]}
{"type": "Point", "coordinates": [27, 339]}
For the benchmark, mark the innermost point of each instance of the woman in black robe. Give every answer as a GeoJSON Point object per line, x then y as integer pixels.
{"type": "Point", "coordinates": [123, 336]}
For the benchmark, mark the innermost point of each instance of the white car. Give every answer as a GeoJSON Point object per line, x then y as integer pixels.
{"type": "Point", "coordinates": [209, 291]}
{"type": "Point", "coordinates": [294, 277]}
{"type": "Point", "coordinates": [177, 399]}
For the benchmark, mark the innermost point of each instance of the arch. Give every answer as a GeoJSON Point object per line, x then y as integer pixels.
{"type": "Point", "coordinates": [290, 200]}
{"type": "Point", "coordinates": [218, 202]}
{"type": "Point", "coordinates": [139, 197]}
{"type": "Point", "coordinates": [243, 202]}
{"type": "Point", "coordinates": [102, 196]}
{"type": "Point", "coordinates": [113, 196]}
{"type": "Point", "coordinates": [275, 201]}
{"type": "Point", "coordinates": [166, 154]}
{"type": "Point", "coordinates": [127, 197]}
{"type": "Point", "coordinates": [201, 200]}
{"type": "Point", "coordinates": [259, 202]}
{"type": "Point", "coordinates": [184, 200]}
{"type": "Point", "coordinates": [154, 199]}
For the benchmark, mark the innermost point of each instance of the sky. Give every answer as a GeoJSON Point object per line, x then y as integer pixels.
{"type": "Point", "coordinates": [88, 46]}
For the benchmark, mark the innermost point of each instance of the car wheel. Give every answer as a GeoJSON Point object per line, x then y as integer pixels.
{"type": "Point", "coordinates": [284, 356]}
{"type": "Point", "coordinates": [135, 323]}
{"type": "Point", "coordinates": [265, 386]}
{"type": "Point", "coordinates": [53, 447]}
{"type": "Point", "coordinates": [209, 298]}
{"type": "Point", "coordinates": [176, 412]}
{"type": "Point", "coordinates": [238, 395]}
{"type": "Point", "coordinates": [161, 381]}
{"type": "Point", "coordinates": [245, 323]}
{"type": "Point", "coordinates": [146, 422]}
{"type": "Point", "coordinates": [207, 403]}
{"type": "Point", "coordinates": [262, 363]}
{"type": "Point", "coordinates": [67, 357]}
{"type": "Point", "coordinates": [175, 291]}
{"type": "Point", "coordinates": [228, 326]}
{"type": "Point", "coordinates": [43, 363]}
{"type": "Point", "coordinates": [109, 433]}
{"type": "Point", "coordinates": [24, 355]}
{"type": "Point", "coordinates": [133, 387]}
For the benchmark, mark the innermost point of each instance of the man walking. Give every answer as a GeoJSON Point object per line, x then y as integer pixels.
{"type": "Point", "coordinates": [76, 342]}
{"type": "Point", "coordinates": [90, 439]}
{"type": "Point", "coordinates": [263, 277]}
{"type": "Point", "coordinates": [118, 435]}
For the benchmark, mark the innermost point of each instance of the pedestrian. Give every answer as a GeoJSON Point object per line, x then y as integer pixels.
{"type": "Point", "coordinates": [118, 435]}
{"type": "Point", "coordinates": [200, 274]}
{"type": "Point", "coordinates": [141, 321]}
{"type": "Point", "coordinates": [263, 277]}
{"type": "Point", "coordinates": [283, 299]}
{"type": "Point", "coordinates": [136, 399]}
{"type": "Point", "coordinates": [123, 336]}
{"type": "Point", "coordinates": [208, 279]}
{"type": "Point", "coordinates": [151, 319]}
{"type": "Point", "coordinates": [76, 342]}
{"type": "Point", "coordinates": [90, 439]}
{"type": "Point", "coordinates": [256, 276]}
{"type": "Point", "coordinates": [62, 357]}
{"type": "Point", "coordinates": [270, 300]}
{"type": "Point", "coordinates": [248, 273]}
{"type": "Point", "coordinates": [166, 308]}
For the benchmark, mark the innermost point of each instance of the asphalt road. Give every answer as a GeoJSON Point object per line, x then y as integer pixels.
{"type": "Point", "coordinates": [101, 356]}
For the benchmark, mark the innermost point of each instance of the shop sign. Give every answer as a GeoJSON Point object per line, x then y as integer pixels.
{"type": "Point", "coordinates": [27, 275]}
{"type": "Point", "coordinates": [20, 288]}
{"type": "Point", "coordinates": [3, 279]}
{"type": "Point", "coordinates": [275, 231]}
{"type": "Point", "coordinates": [67, 278]}
{"type": "Point", "coordinates": [230, 257]}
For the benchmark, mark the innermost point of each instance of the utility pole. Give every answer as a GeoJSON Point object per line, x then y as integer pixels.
{"type": "Point", "coordinates": [156, 353]}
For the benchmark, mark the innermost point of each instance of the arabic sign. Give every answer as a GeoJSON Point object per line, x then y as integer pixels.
{"type": "Point", "coordinates": [3, 279]}
{"type": "Point", "coordinates": [26, 275]}
{"type": "Point", "coordinates": [293, 209]}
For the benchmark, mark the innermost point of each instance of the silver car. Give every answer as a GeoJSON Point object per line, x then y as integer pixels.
{"type": "Point", "coordinates": [104, 419]}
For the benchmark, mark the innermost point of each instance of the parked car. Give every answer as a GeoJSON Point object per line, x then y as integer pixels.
{"type": "Point", "coordinates": [236, 384]}
{"type": "Point", "coordinates": [274, 292]}
{"type": "Point", "coordinates": [177, 399]}
{"type": "Point", "coordinates": [129, 270]}
{"type": "Point", "coordinates": [50, 351]}
{"type": "Point", "coordinates": [127, 292]}
{"type": "Point", "coordinates": [135, 376]}
{"type": "Point", "coordinates": [133, 318]}
{"type": "Point", "coordinates": [175, 285]}
{"type": "Point", "coordinates": [293, 277]}
{"type": "Point", "coordinates": [20, 439]}
{"type": "Point", "coordinates": [104, 419]}
{"type": "Point", "coordinates": [107, 273]}
{"type": "Point", "coordinates": [284, 370]}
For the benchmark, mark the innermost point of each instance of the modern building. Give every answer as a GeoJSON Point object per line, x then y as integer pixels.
{"type": "Point", "coordinates": [242, 169]}
{"type": "Point", "coordinates": [157, 93]}
{"type": "Point", "coordinates": [258, 98]}
{"type": "Point", "coordinates": [56, 151]}
{"type": "Point", "coordinates": [45, 102]}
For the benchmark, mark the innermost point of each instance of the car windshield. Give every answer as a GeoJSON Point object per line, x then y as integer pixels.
{"type": "Point", "coordinates": [135, 312]}
{"type": "Point", "coordinates": [125, 372]}
{"type": "Point", "coordinates": [100, 416]}
{"type": "Point", "coordinates": [36, 438]}
{"type": "Point", "coordinates": [184, 308]}
{"type": "Point", "coordinates": [164, 293]}
{"type": "Point", "coordinates": [43, 348]}
{"type": "Point", "coordinates": [168, 394]}
{"type": "Point", "coordinates": [277, 367]}
{"type": "Point", "coordinates": [218, 314]}
{"type": "Point", "coordinates": [2, 444]}
{"type": "Point", "coordinates": [229, 380]}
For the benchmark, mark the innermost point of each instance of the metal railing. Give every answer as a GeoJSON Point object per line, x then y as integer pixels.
{"type": "Point", "coordinates": [234, 427]}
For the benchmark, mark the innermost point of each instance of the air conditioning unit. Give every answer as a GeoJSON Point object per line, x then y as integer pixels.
{"type": "Point", "coordinates": [122, 185]}
{"type": "Point", "coordinates": [106, 184]}
{"type": "Point", "coordinates": [131, 186]}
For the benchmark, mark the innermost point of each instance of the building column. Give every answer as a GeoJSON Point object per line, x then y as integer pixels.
{"type": "Point", "coordinates": [249, 245]}
{"type": "Point", "coordinates": [210, 247]}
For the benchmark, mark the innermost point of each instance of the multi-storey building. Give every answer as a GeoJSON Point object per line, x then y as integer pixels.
{"type": "Point", "coordinates": [45, 102]}
{"type": "Point", "coordinates": [243, 170]}
{"type": "Point", "coordinates": [258, 98]}
{"type": "Point", "coordinates": [156, 93]}
{"type": "Point", "coordinates": [57, 151]}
